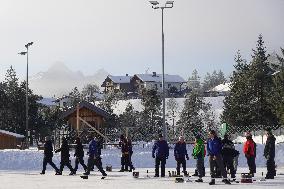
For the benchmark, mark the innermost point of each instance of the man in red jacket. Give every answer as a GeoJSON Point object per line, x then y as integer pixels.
{"type": "Point", "coordinates": [250, 153]}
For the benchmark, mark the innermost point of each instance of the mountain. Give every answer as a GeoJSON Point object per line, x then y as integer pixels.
{"type": "Point", "coordinates": [59, 80]}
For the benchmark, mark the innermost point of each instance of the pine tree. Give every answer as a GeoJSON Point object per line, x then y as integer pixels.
{"type": "Point", "coordinates": [172, 111]}
{"type": "Point", "coordinates": [75, 97]}
{"type": "Point", "coordinates": [194, 81]}
{"type": "Point", "coordinates": [150, 117]}
{"type": "Point", "coordinates": [191, 119]}
{"type": "Point", "coordinates": [260, 83]}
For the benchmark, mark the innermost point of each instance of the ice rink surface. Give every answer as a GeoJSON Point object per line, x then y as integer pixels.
{"type": "Point", "coordinates": [125, 180]}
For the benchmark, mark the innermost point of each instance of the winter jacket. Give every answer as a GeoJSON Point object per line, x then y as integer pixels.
{"type": "Point", "coordinates": [124, 146]}
{"type": "Point", "coordinates": [64, 149]}
{"type": "Point", "coordinates": [269, 149]}
{"type": "Point", "coordinates": [160, 149]}
{"type": "Point", "coordinates": [249, 148]}
{"type": "Point", "coordinates": [228, 148]}
{"type": "Point", "coordinates": [180, 151]}
{"type": "Point", "coordinates": [79, 151]}
{"type": "Point", "coordinates": [214, 146]}
{"type": "Point", "coordinates": [93, 151]}
{"type": "Point", "coordinates": [199, 149]}
{"type": "Point", "coordinates": [48, 150]}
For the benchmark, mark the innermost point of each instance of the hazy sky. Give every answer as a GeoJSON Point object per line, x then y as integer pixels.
{"type": "Point", "coordinates": [124, 36]}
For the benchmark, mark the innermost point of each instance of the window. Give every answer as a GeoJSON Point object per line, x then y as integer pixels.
{"type": "Point", "coordinates": [160, 85]}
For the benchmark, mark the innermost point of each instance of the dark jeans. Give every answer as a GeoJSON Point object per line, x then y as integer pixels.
{"type": "Point", "coordinates": [181, 161]}
{"type": "Point", "coordinates": [130, 161]}
{"type": "Point", "coordinates": [66, 163]}
{"type": "Point", "coordinates": [124, 161]}
{"type": "Point", "coordinates": [200, 167]}
{"type": "Point", "coordinates": [91, 162]}
{"type": "Point", "coordinates": [251, 164]}
{"type": "Point", "coordinates": [45, 162]}
{"type": "Point", "coordinates": [229, 165]}
{"type": "Point", "coordinates": [81, 161]}
{"type": "Point", "coordinates": [270, 164]}
{"type": "Point", "coordinates": [220, 164]}
{"type": "Point", "coordinates": [158, 161]}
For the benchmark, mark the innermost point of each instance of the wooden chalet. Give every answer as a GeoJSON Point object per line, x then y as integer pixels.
{"type": "Point", "coordinates": [10, 140]}
{"type": "Point", "coordinates": [86, 118]}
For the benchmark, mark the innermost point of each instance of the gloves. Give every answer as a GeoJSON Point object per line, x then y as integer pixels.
{"type": "Point", "coordinates": [187, 157]}
{"type": "Point", "coordinates": [153, 156]}
{"type": "Point", "coordinates": [167, 157]}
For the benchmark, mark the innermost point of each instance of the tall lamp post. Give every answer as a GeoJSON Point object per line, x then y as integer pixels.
{"type": "Point", "coordinates": [155, 5]}
{"type": "Point", "coordinates": [27, 88]}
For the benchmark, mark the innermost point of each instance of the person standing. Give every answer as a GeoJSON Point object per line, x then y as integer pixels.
{"type": "Point", "coordinates": [249, 150]}
{"type": "Point", "coordinates": [269, 154]}
{"type": "Point", "coordinates": [64, 149]}
{"type": "Point", "coordinates": [228, 154]}
{"type": "Point", "coordinates": [214, 147]}
{"type": "Point", "coordinates": [93, 157]}
{"type": "Point", "coordinates": [160, 152]}
{"type": "Point", "coordinates": [198, 154]}
{"type": "Point", "coordinates": [48, 154]}
{"type": "Point", "coordinates": [129, 143]}
{"type": "Point", "coordinates": [79, 154]}
{"type": "Point", "coordinates": [180, 154]}
{"type": "Point", "coordinates": [123, 144]}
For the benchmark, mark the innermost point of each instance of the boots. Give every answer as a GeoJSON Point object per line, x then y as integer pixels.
{"type": "Point", "coordinates": [199, 180]}
{"type": "Point", "coordinates": [212, 182]}
{"type": "Point", "coordinates": [226, 181]}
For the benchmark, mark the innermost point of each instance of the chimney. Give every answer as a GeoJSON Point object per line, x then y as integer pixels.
{"type": "Point", "coordinates": [154, 74]}
{"type": "Point", "coordinates": [126, 74]}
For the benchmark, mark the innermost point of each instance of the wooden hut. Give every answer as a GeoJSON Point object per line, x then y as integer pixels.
{"type": "Point", "coordinates": [10, 140]}
{"type": "Point", "coordinates": [86, 117]}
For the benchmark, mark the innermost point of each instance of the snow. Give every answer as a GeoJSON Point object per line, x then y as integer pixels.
{"type": "Point", "coordinates": [115, 179]}
{"type": "Point", "coordinates": [120, 79]}
{"type": "Point", "coordinates": [12, 134]}
{"type": "Point", "coordinates": [48, 101]}
{"type": "Point", "coordinates": [222, 88]}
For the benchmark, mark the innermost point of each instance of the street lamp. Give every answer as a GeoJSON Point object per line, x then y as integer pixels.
{"type": "Point", "coordinates": [155, 5]}
{"type": "Point", "coordinates": [27, 87]}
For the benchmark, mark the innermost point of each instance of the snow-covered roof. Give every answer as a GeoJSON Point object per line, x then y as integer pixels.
{"type": "Point", "coordinates": [12, 134]}
{"type": "Point", "coordinates": [120, 79]}
{"type": "Point", "coordinates": [222, 88]}
{"type": "Point", "coordinates": [47, 101]}
{"type": "Point", "coordinates": [158, 78]}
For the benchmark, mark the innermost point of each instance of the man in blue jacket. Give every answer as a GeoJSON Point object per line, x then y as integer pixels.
{"type": "Point", "coordinates": [214, 148]}
{"type": "Point", "coordinates": [94, 157]}
{"type": "Point", "coordinates": [160, 152]}
{"type": "Point", "coordinates": [180, 153]}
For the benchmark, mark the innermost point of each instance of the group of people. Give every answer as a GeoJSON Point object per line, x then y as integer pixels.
{"type": "Point", "coordinates": [222, 156]}
{"type": "Point", "coordinates": [94, 158]}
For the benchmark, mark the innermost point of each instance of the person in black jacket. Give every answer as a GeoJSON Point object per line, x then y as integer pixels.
{"type": "Point", "coordinates": [123, 144]}
{"type": "Point", "coordinates": [160, 152]}
{"type": "Point", "coordinates": [64, 149]}
{"type": "Point", "coordinates": [79, 154]}
{"type": "Point", "coordinates": [269, 154]}
{"type": "Point", "coordinates": [129, 143]}
{"type": "Point", "coordinates": [180, 153]}
{"type": "Point", "coordinates": [48, 154]}
{"type": "Point", "coordinates": [228, 153]}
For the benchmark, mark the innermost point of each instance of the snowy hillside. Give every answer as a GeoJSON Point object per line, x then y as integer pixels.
{"type": "Point", "coordinates": [216, 102]}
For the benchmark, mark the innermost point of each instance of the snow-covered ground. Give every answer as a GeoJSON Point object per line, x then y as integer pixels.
{"type": "Point", "coordinates": [31, 160]}
{"type": "Point", "coordinates": [32, 180]}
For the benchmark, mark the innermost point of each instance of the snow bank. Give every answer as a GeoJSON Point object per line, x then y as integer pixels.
{"type": "Point", "coordinates": [29, 160]}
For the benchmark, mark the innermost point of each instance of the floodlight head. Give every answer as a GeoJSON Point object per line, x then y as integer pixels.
{"type": "Point", "coordinates": [169, 4]}
{"type": "Point", "coordinates": [29, 44]}
{"type": "Point", "coordinates": [154, 3]}
{"type": "Point", "coordinates": [22, 53]}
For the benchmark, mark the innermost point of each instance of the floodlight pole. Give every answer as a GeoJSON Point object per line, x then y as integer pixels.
{"type": "Point", "coordinates": [154, 6]}
{"type": "Point", "coordinates": [27, 91]}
